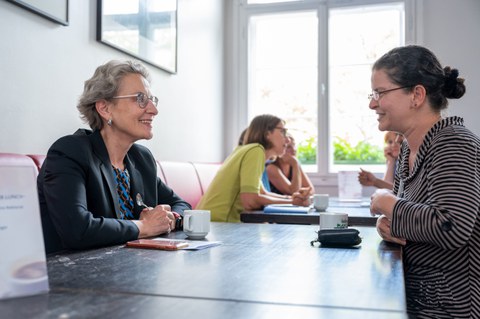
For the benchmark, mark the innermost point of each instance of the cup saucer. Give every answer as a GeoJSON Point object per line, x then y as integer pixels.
{"type": "Point", "coordinates": [196, 235]}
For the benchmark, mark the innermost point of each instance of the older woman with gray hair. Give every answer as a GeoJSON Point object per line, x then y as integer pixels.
{"type": "Point", "coordinates": [90, 180]}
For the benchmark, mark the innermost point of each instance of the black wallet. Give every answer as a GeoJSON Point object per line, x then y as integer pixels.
{"type": "Point", "coordinates": [345, 237]}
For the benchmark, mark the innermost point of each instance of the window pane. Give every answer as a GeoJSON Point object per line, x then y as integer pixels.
{"type": "Point", "coordinates": [354, 135]}
{"type": "Point", "coordinates": [283, 72]}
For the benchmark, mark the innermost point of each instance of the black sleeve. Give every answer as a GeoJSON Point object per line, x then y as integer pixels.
{"type": "Point", "coordinates": [75, 201]}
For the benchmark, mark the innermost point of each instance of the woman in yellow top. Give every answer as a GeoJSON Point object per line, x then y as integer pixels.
{"type": "Point", "coordinates": [237, 185]}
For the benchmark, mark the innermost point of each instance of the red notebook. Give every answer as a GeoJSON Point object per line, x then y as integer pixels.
{"type": "Point", "coordinates": [157, 244]}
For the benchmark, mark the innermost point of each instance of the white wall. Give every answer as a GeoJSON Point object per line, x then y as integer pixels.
{"type": "Point", "coordinates": [43, 66]}
{"type": "Point", "coordinates": [452, 30]}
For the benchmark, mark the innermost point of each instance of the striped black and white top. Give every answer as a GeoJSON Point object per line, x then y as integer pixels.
{"type": "Point", "coordinates": [438, 216]}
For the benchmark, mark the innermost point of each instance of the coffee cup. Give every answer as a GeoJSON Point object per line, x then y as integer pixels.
{"type": "Point", "coordinates": [28, 276]}
{"type": "Point", "coordinates": [196, 223]}
{"type": "Point", "coordinates": [320, 202]}
{"type": "Point", "coordinates": [333, 220]}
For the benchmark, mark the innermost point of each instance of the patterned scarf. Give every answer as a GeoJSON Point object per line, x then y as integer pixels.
{"type": "Point", "coordinates": [123, 189]}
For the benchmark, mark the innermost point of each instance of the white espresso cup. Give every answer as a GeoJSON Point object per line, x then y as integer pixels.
{"type": "Point", "coordinates": [320, 202]}
{"type": "Point", "coordinates": [28, 276]}
{"type": "Point", "coordinates": [196, 223]}
{"type": "Point", "coordinates": [333, 220]}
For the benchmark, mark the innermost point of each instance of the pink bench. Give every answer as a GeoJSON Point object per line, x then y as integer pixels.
{"type": "Point", "coordinates": [189, 180]}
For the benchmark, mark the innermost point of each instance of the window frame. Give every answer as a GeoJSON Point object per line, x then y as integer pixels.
{"type": "Point", "coordinates": [237, 96]}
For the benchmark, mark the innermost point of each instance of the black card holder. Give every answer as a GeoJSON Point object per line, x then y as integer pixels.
{"type": "Point", "coordinates": [345, 237]}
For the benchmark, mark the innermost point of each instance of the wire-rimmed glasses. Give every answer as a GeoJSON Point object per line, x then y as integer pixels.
{"type": "Point", "coordinates": [376, 94]}
{"type": "Point", "coordinates": [142, 99]}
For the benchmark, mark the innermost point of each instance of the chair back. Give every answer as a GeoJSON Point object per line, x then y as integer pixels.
{"type": "Point", "coordinates": [182, 178]}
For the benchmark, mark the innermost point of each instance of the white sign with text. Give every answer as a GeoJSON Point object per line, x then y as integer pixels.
{"type": "Point", "coordinates": [23, 267]}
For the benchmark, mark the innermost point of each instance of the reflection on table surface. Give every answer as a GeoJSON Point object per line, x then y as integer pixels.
{"type": "Point", "coordinates": [358, 214]}
{"type": "Point", "coordinates": [361, 203]}
{"type": "Point", "coordinates": [265, 269]}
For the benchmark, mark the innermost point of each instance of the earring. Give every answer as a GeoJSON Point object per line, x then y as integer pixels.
{"type": "Point", "coordinates": [109, 122]}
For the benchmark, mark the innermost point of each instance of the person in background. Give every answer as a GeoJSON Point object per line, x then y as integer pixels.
{"type": "Point", "coordinates": [393, 143]}
{"type": "Point", "coordinates": [434, 206]}
{"type": "Point", "coordinates": [265, 183]}
{"type": "Point", "coordinates": [242, 137]}
{"type": "Point", "coordinates": [237, 185]}
{"type": "Point", "coordinates": [90, 180]}
{"type": "Point", "coordinates": [285, 173]}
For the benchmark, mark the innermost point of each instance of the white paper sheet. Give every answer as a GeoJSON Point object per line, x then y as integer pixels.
{"type": "Point", "coordinates": [194, 244]}
{"type": "Point", "coordinates": [349, 188]}
{"type": "Point", "coordinates": [23, 268]}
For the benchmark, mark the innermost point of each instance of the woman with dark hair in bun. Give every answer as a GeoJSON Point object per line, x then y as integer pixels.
{"type": "Point", "coordinates": [433, 209]}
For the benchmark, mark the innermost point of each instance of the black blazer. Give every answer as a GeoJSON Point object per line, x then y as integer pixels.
{"type": "Point", "coordinates": [78, 198]}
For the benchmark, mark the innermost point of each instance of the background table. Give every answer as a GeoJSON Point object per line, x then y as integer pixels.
{"type": "Point", "coordinates": [260, 270]}
{"type": "Point", "coordinates": [358, 214]}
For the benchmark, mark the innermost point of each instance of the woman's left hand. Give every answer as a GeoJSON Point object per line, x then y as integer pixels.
{"type": "Point", "coordinates": [382, 201]}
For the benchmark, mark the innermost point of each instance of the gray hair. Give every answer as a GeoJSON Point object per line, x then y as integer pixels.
{"type": "Point", "coordinates": [104, 85]}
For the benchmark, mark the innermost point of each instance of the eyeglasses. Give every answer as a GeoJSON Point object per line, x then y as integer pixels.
{"type": "Point", "coordinates": [142, 99]}
{"type": "Point", "coordinates": [282, 130]}
{"type": "Point", "coordinates": [376, 94]}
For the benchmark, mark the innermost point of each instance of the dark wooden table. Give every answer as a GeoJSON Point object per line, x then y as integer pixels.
{"type": "Point", "coordinates": [358, 215]}
{"type": "Point", "coordinates": [260, 270]}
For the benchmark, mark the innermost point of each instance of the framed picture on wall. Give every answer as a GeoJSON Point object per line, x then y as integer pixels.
{"type": "Point", "coordinates": [53, 10]}
{"type": "Point", "coordinates": [144, 29]}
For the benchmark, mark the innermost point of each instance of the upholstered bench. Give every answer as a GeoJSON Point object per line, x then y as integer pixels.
{"type": "Point", "coordinates": [189, 180]}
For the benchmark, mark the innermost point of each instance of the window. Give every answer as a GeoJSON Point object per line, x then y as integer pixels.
{"type": "Point", "coordinates": [283, 71]}
{"type": "Point", "coordinates": [309, 63]}
{"type": "Point", "coordinates": [353, 131]}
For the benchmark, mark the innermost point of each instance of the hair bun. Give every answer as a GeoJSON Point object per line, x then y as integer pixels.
{"type": "Point", "coordinates": [453, 86]}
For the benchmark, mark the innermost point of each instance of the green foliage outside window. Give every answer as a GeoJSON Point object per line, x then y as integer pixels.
{"type": "Point", "coordinates": [307, 151]}
{"type": "Point", "coordinates": [362, 153]}
{"type": "Point", "coordinates": [344, 152]}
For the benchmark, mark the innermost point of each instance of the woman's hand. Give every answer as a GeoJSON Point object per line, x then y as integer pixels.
{"type": "Point", "coordinates": [155, 221]}
{"type": "Point", "coordinates": [305, 191]}
{"type": "Point", "coordinates": [366, 178]}
{"type": "Point", "coordinates": [302, 197]}
{"type": "Point", "coordinates": [383, 229]}
{"type": "Point", "coordinates": [170, 215]}
{"type": "Point", "coordinates": [382, 201]}
{"type": "Point", "coordinates": [290, 159]}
